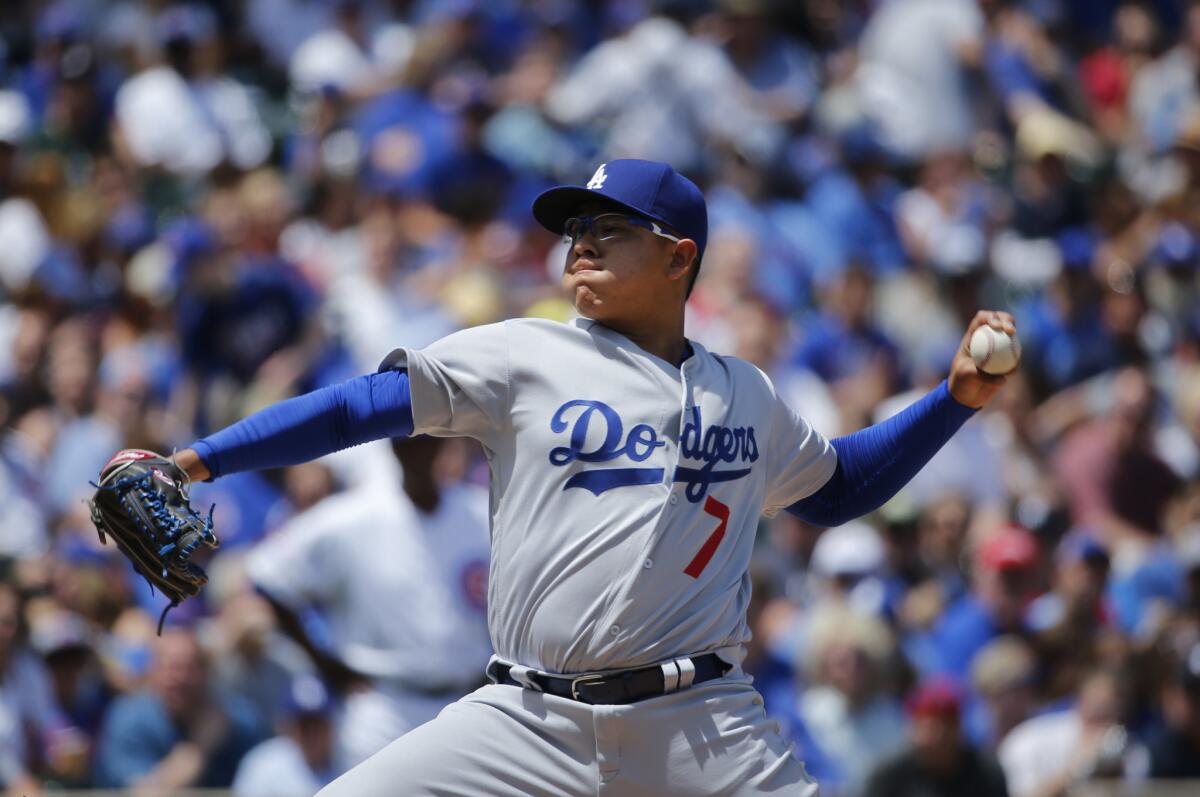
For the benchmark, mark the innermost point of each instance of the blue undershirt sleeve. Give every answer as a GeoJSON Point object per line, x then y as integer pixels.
{"type": "Point", "coordinates": [300, 429]}
{"type": "Point", "coordinates": [874, 463]}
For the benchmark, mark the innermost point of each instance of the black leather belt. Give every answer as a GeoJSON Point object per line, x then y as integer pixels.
{"type": "Point", "coordinates": [616, 688]}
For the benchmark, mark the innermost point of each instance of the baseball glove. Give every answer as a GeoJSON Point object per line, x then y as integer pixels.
{"type": "Point", "coordinates": [141, 502]}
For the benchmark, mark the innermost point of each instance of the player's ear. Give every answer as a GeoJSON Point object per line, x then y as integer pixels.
{"type": "Point", "coordinates": [682, 259]}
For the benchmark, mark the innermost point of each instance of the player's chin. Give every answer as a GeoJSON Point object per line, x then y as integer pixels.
{"type": "Point", "coordinates": [586, 289]}
{"type": "Point", "coordinates": [587, 303]}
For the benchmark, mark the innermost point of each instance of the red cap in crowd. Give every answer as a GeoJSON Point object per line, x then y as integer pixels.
{"type": "Point", "coordinates": [1013, 548]}
{"type": "Point", "coordinates": [938, 697]}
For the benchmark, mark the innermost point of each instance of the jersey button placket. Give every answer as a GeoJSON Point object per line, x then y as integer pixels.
{"type": "Point", "coordinates": [688, 403]}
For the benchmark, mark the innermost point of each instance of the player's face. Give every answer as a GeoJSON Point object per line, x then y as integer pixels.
{"type": "Point", "coordinates": [617, 267]}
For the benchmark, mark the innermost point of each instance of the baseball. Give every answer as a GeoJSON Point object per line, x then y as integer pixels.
{"type": "Point", "coordinates": [994, 351]}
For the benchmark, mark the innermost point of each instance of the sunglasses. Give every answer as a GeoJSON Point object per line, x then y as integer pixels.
{"type": "Point", "coordinates": [610, 227]}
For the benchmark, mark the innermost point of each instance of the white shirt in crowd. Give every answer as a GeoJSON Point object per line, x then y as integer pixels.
{"type": "Point", "coordinates": [276, 768]}
{"type": "Point", "coordinates": [190, 127]}
{"type": "Point", "coordinates": [911, 78]}
{"type": "Point", "coordinates": [405, 598]}
{"type": "Point", "coordinates": [404, 593]}
{"type": "Point", "coordinates": [1039, 751]}
{"type": "Point", "coordinates": [333, 57]}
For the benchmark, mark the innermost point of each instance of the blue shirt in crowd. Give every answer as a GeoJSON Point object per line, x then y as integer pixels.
{"type": "Point", "coordinates": [138, 734]}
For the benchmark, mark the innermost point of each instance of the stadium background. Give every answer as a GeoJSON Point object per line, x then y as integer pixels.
{"type": "Point", "coordinates": [207, 207]}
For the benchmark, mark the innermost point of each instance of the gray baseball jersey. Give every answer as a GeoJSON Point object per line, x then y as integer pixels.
{"type": "Point", "coordinates": [625, 491]}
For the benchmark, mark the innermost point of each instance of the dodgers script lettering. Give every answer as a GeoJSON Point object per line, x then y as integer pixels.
{"type": "Point", "coordinates": [708, 446]}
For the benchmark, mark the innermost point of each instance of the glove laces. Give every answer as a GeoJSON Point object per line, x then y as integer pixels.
{"type": "Point", "coordinates": [167, 523]}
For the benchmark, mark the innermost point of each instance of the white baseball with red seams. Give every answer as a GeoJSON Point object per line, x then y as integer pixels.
{"type": "Point", "coordinates": [994, 351]}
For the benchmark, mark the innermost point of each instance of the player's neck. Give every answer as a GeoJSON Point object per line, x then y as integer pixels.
{"type": "Point", "coordinates": [662, 340]}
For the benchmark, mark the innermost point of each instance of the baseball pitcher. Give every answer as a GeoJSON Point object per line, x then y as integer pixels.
{"type": "Point", "coordinates": [629, 468]}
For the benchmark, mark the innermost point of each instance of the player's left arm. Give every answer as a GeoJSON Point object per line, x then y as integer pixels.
{"type": "Point", "coordinates": [303, 428]}
{"type": "Point", "coordinates": [874, 463]}
{"type": "Point", "coordinates": [461, 383]}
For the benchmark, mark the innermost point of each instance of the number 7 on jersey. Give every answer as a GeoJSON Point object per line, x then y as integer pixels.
{"type": "Point", "coordinates": [721, 512]}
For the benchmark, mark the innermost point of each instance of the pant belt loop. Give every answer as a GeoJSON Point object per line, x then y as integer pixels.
{"type": "Point", "coordinates": [670, 671]}
{"type": "Point", "coordinates": [522, 675]}
{"type": "Point", "coordinates": [687, 672]}
{"type": "Point", "coordinates": [492, 671]}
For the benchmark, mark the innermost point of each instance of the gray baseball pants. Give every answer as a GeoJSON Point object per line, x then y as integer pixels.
{"type": "Point", "coordinates": [505, 741]}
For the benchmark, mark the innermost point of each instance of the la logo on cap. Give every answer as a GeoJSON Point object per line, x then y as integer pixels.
{"type": "Point", "coordinates": [598, 178]}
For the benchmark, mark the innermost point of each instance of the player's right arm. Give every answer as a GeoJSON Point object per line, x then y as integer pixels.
{"type": "Point", "coordinates": [873, 464]}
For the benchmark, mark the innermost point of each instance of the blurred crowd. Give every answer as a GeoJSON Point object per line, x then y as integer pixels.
{"type": "Point", "coordinates": [206, 207]}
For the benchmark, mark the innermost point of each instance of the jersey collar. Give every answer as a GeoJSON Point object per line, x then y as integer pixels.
{"type": "Point", "coordinates": [693, 351]}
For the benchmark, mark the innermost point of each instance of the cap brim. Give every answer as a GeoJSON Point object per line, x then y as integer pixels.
{"type": "Point", "coordinates": [554, 206]}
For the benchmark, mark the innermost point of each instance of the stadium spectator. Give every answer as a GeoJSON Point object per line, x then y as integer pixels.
{"type": "Point", "coordinates": [660, 92]}
{"type": "Point", "coordinates": [300, 760]}
{"type": "Point", "coordinates": [177, 732]}
{"type": "Point", "coordinates": [248, 662]}
{"type": "Point", "coordinates": [849, 563]}
{"type": "Point", "coordinates": [27, 709]}
{"type": "Point", "coordinates": [917, 59]}
{"type": "Point", "coordinates": [428, 552]}
{"type": "Point", "coordinates": [1046, 754]}
{"type": "Point", "coordinates": [1003, 572]}
{"type": "Point", "coordinates": [1004, 678]}
{"type": "Point", "coordinates": [842, 718]}
{"type": "Point", "coordinates": [1175, 748]}
{"type": "Point", "coordinates": [1073, 619]}
{"type": "Point", "coordinates": [939, 760]}
{"type": "Point", "coordinates": [21, 221]}
{"type": "Point", "coordinates": [186, 114]}
{"type": "Point", "coordinates": [847, 351]}
{"type": "Point", "coordinates": [77, 683]}
{"type": "Point", "coordinates": [942, 533]}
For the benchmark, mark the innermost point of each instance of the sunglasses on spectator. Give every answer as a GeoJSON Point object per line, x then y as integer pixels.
{"type": "Point", "coordinates": [611, 227]}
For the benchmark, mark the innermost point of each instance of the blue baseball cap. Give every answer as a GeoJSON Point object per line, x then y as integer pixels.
{"type": "Point", "coordinates": [59, 22]}
{"type": "Point", "coordinates": [649, 189]}
{"type": "Point", "coordinates": [189, 238]}
{"type": "Point", "coordinates": [192, 22]}
{"type": "Point", "coordinates": [1081, 546]}
{"type": "Point", "coordinates": [1078, 247]}
{"type": "Point", "coordinates": [129, 228]}
{"type": "Point", "coordinates": [1177, 246]}
{"type": "Point", "coordinates": [307, 696]}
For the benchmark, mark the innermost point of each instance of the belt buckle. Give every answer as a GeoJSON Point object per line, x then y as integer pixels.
{"type": "Point", "coordinates": [587, 678]}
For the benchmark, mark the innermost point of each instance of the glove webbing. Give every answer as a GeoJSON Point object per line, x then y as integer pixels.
{"type": "Point", "coordinates": [154, 518]}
